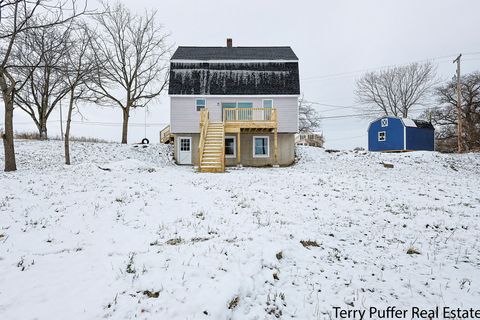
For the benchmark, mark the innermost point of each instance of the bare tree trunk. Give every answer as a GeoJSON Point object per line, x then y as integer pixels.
{"type": "Point", "coordinates": [43, 129]}
{"type": "Point", "coordinates": [7, 136]}
{"type": "Point", "coordinates": [67, 129]}
{"type": "Point", "coordinates": [126, 115]}
{"type": "Point", "coordinates": [8, 146]}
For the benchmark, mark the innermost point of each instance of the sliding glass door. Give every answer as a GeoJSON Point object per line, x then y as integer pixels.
{"type": "Point", "coordinates": [245, 110]}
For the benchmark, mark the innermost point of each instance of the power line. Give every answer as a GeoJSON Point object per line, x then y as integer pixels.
{"type": "Point", "coordinates": [334, 106]}
{"type": "Point", "coordinates": [98, 123]}
{"type": "Point", "coordinates": [367, 114]}
{"type": "Point", "coordinates": [348, 138]}
{"type": "Point", "coordinates": [459, 104]}
{"type": "Point", "coordinates": [351, 115]}
{"type": "Point", "coordinates": [350, 73]}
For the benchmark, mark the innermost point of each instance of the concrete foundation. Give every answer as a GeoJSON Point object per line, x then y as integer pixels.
{"type": "Point", "coordinates": [286, 150]}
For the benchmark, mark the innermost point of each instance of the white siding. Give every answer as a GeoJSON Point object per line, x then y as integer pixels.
{"type": "Point", "coordinates": [184, 118]}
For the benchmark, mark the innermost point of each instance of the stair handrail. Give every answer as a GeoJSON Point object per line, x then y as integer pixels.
{"type": "Point", "coordinates": [164, 133]}
{"type": "Point", "coordinates": [223, 148]}
{"type": "Point", "coordinates": [204, 119]}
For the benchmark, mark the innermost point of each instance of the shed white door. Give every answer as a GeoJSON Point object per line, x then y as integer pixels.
{"type": "Point", "coordinates": [185, 150]}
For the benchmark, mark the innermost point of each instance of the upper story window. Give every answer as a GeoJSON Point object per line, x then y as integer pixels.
{"type": "Point", "coordinates": [200, 104]}
{"type": "Point", "coordinates": [382, 136]}
{"type": "Point", "coordinates": [244, 104]}
{"type": "Point", "coordinates": [267, 103]}
{"type": "Point", "coordinates": [385, 122]}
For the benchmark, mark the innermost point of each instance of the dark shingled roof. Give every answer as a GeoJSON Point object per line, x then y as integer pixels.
{"type": "Point", "coordinates": [223, 78]}
{"type": "Point", "coordinates": [423, 124]}
{"type": "Point", "coordinates": [234, 53]}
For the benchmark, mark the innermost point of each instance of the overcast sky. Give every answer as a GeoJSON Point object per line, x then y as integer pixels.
{"type": "Point", "coordinates": [335, 41]}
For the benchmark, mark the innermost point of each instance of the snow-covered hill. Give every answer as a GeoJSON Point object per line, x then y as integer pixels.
{"type": "Point", "coordinates": [124, 233]}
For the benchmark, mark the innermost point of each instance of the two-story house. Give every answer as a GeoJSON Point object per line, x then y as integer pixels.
{"type": "Point", "coordinates": [234, 106]}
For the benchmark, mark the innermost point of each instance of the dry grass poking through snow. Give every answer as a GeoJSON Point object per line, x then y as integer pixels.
{"type": "Point", "coordinates": [124, 233]}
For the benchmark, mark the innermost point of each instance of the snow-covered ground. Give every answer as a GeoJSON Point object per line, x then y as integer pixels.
{"type": "Point", "coordinates": [124, 233]}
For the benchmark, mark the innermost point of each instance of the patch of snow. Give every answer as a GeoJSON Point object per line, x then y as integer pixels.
{"type": "Point", "coordinates": [124, 233]}
{"type": "Point", "coordinates": [409, 122]}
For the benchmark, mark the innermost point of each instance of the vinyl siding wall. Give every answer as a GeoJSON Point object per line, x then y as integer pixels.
{"type": "Point", "coordinates": [184, 117]}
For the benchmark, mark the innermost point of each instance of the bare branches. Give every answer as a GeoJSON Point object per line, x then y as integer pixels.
{"type": "Point", "coordinates": [131, 54]}
{"type": "Point", "coordinates": [39, 56]}
{"type": "Point", "coordinates": [308, 118]}
{"type": "Point", "coordinates": [445, 115]}
{"type": "Point", "coordinates": [397, 90]}
{"type": "Point", "coordinates": [79, 69]}
{"type": "Point", "coordinates": [18, 17]}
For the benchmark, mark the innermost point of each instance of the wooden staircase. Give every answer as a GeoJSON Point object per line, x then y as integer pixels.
{"type": "Point", "coordinates": [212, 155]}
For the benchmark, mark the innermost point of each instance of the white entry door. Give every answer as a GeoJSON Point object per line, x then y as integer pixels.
{"type": "Point", "coordinates": [185, 150]}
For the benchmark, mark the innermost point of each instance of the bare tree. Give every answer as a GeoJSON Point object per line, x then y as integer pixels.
{"type": "Point", "coordinates": [444, 117]}
{"type": "Point", "coordinates": [308, 118]}
{"type": "Point", "coordinates": [397, 90]}
{"type": "Point", "coordinates": [16, 18]}
{"type": "Point", "coordinates": [39, 57]}
{"type": "Point", "coordinates": [131, 57]}
{"type": "Point", "coordinates": [78, 70]}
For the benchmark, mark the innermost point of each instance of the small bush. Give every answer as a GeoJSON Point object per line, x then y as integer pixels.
{"type": "Point", "coordinates": [279, 255]}
{"type": "Point", "coordinates": [233, 303]}
{"type": "Point", "coordinates": [309, 243]}
{"type": "Point", "coordinates": [36, 136]}
{"type": "Point", "coordinates": [130, 265]}
{"type": "Point", "coordinates": [151, 294]}
{"type": "Point", "coordinates": [412, 250]}
{"type": "Point", "coordinates": [174, 241]}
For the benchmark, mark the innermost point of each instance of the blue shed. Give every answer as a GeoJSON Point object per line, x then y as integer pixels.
{"type": "Point", "coordinates": [400, 134]}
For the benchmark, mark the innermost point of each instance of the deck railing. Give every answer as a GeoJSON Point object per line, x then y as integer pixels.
{"type": "Point", "coordinates": [249, 114]}
{"type": "Point", "coordinates": [165, 134]}
{"type": "Point", "coordinates": [204, 119]}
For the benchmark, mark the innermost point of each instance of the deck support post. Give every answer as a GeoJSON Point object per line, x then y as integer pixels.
{"type": "Point", "coordinates": [239, 161]}
{"type": "Point", "coordinates": [275, 145]}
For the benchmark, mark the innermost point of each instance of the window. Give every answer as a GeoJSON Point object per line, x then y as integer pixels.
{"type": "Point", "coordinates": [261, 147]}
{"type": "Point", "coordinates": [385, 122]}
{"type": "Point", "coordinates": [245, 110]}
{"type": "Point", "coordinates": [382, 136]}
{"type": "Point", "coordinates": [230, 147]}
{"type": "Point", "coordinates": [200, 104]}
{"type": "Point", "coordinates": [245, 105]}
{"type": "Point", "coordinates": [267, 103]}
{"type": "Point", "coordinates": [267, 114]}
{"type": "Point", "coordinates": [184, 144]}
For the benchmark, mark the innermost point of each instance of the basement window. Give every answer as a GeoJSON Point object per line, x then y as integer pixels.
{"type": "Point", "coordinates": [200, 104]}
{"type": "Point", "coordinates": [382, 136]}
{"type": "Point", "coordinates": [230, 147]}
{"type": "Point", "coordinates": [261, 147]}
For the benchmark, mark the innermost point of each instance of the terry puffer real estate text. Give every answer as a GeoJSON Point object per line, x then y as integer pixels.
{"type": "Point", "coordinates": [393, 312]}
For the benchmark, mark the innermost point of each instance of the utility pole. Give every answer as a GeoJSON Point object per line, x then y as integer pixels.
{"type": "Point", "coordinates": [459, 105]}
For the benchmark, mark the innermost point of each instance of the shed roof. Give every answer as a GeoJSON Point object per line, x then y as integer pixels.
{"type": "Point", "coordinates": [407, 122]}
{"type": "Point", "coordinates": [423, 124]}
{"type": "Point", "coordinates": [234, 53]}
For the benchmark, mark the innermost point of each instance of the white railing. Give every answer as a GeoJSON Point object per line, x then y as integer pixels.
{"type": "Point", "coordinates": [249, 114]}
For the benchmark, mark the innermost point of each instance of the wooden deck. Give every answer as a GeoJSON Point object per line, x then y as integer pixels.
{"type": "Point", "coordinates": [236, 119]}
{"type": "Point", "coordinates": [211, 150]}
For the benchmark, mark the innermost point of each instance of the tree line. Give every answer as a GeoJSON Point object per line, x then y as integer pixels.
{"type": "Point", "coordinates": [60, 50]}
{"type": "Point", "coordinates": [400, 91]}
